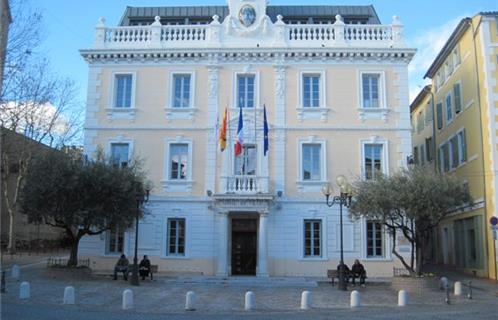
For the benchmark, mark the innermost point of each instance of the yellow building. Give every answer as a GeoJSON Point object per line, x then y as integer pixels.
{"type": "Point", "coordinates": [463, 101]}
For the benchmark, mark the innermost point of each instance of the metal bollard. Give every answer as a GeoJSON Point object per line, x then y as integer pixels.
{"type": "Point", "coordinates": [355, 299]}
{"type": "Point", "coordinates": [68, 295]}
{"type": "Point", "coordinates": [469, 294]}
{"type": "Point", "coordinates": [447, 300]}
{"type": "Point", "coordinates": [457, 288]}
{"type": "Point", "coordinates": [127, 299]}
{"type": "Point", "coordinates": [2, 289]}
{"type": "Point", "coordinates": [402, 298]}
{"type": "Point", "coordinates": [24, 292]}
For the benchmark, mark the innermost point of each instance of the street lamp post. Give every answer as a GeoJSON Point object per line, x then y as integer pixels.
{"type": "Point", "coordinates": [344, 199]}
{"type": "Point", "coordinates": [141, 198]}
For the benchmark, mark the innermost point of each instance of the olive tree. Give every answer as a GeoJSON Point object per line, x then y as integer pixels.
{"type": "Point", "coordinates": [81, 197]}
{"type": "Point", "coordinates": [411, 202]}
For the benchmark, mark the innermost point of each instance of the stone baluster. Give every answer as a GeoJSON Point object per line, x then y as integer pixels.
{"type": "Point", "coordinates": [397, 32]}
{"type": "Point", "coordinates": [339, 30]}
{"type": "Point", "coordinates": [156, 27]}
{"type": "Point", "coordinates": [100, 31]}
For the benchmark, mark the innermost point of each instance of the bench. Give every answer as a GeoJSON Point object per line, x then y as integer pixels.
{"type": "Point", "coordinates": [332, 274]}
{"type": "Point", "coordinates": [153, 269]}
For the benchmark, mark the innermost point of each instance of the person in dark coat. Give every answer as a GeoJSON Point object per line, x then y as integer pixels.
{"type": "Point", "coordinates": [144, 267]}
{"type": "Point", "coordinates": [121, 266]}
{"type": "Point", "coordinates": [347, 272]}
{"type": "Point", "coordinates": [358, 271]}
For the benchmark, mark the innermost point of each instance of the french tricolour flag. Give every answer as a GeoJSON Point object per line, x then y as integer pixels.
{"type": "Point", "coordinates": [240, 141]}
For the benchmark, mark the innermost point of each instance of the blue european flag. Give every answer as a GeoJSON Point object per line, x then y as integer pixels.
{"type": "Point", "coordinates": [265, 132]}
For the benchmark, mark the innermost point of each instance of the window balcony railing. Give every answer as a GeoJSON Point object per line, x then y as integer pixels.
{"type": "Point", "coordinates": [244, 184]}
{"type": "Point", "coordinates": [278, 34]}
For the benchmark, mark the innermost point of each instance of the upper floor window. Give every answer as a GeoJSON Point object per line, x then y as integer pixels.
{"type": "Point", "coordinates": [123, 91]}
{"type": "Point", "coordinates": [178, 154]}
{"type": "Point", "coordinates": [375, 240]}
{"type": "Point", "coordinates": [428, 112]}
{"type": "Point", "coordinates": [420, 122]}
{"type": "Point", "coordinates": [462, 146]}
{"type": "Point", "coordinates": [245, 163]}
{"type": "Point", "coordinates": [181, 90]}
{"type": "Point", "coordinates": [456, 56]}
{"type": "Point", "coordinates": [245, 90]}
{"type": "Point", "coordinates": [115, 241]}
{"type": "Point", "coordinates": [429, 148]}
{"type": "Point", "coordinates": [120, 154]}
{"type": "Point", "coordinates": [312, 238]}
{"type": "Point", "coordinates": [371, 90]}
{"type": "Point", "coordinates": [422, 154]}
{"type": "Point", "coordinates": [311, 90]}
{"type": "Point", "coordinates": [439, 109]}
{"type": "Point", "coordinates": [373, 160]}
{"type": "Point", "coordinates": [449, 109]}
{"type": "Point", "coordinates": [311, 161]}
{"type": "Point", "coordinates": [176, 237]}
{"type": "Point", "coordinates": [457, 95]}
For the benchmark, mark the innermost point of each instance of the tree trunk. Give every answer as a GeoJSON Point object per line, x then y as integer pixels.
{"type": "Point", "coordinates": [11, 248]}
{"type": "Point", "coordinates": [73, 257]}
{"type": "Point", "coordinates": [420, 260]}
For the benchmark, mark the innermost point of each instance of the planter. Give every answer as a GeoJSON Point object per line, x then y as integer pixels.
{"type": "Point", "coordinates": [417, 285]}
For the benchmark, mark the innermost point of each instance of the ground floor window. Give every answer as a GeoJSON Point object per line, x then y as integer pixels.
{"type": "Point", "coordinates": [375, 240]}
{"type": "Point", "coordinates": [115, 241]}
{"type": "Point", "coordinates": [176, 237]}
{"type": "Point", "coordinates": [312, 238]}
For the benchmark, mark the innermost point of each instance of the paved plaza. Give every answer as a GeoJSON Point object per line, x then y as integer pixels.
{"type": "Point", "coordinates": [101, 297]}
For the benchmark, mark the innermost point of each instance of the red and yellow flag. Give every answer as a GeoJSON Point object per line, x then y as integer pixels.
{"type": "Point", "coordinates": [223, 131]}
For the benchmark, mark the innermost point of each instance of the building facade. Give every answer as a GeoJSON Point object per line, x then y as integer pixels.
{"type": "Point", "coordinates": [462, 101]}
{"type": "Point", "coordinates": [334, 82]}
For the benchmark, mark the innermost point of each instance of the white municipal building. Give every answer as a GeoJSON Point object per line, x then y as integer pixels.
{"type": "Point", "coordinates": [334, 81]}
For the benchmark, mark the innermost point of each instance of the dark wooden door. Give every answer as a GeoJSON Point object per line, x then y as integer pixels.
{"type": "Point", "coordinates": [244, 248]}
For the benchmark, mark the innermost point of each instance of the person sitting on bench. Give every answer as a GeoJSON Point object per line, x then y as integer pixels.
{"type": "Point", "coordinates": [346, 271]}
{"type": "Point", "coordinates": [121, 266]}
{"type": "Point", "coordinates": [144, 267]}
{"type": "Point", "coordinates": [358, 271]}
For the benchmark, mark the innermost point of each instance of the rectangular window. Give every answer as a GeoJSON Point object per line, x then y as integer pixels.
{"type": "Point", "coordinates": [445, 151]}
{"type": "Point", "coordinates": [123, 83]}
{"type": "Point", "coordinates": [428, 113]}
{"type": "Point", "coordinates": [178, 154]}
{"type": "Point", "coordinates": [245, 90]}
{"type": "Point", "coordinates": [176, 237]}
{"type": "Point", "coordinates": [311, 90]}
{"type": "Point", "coordinates": [115, 241]}
{"type": "Point", "coordinates": [456, 57]}
{"type": "Point", "coordinates": [420, 122]}
{"type": "Point", "coordinates": [245, 164]}
{"type": "Point", "coordinates": [370, 85]}
{"type": "Point", "coordinates": [428, 148]}
{"type": "Point", "coordinates": [312, 238]}
{"type": "Point", "coordinates": [462, 147]}
{"type": "Point", "coordinates": [449, 109]}
{"type": "Point", "coordinates": [375, 240]}
{"type": "Point", "coordinates": [120, 154]}
{"type": "Point", "coordinates": [311, 154]}
{"type": "Point", "coordinates": [458, 97]}
{"type": "Point", "coordinates": [439, 109]}
{"type": "Point", "coordinates": [454, 152]}
{"type": "Point", "coordinates": [422, 154]}
{"type": "Point", "coordinates": [373, 160]}
{"type": "Point", "coordinates": [415, 155]}
{"type": "Point", "coordinates": [181, 90]}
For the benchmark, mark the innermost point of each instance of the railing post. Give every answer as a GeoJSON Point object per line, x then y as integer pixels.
{"type": "Point", "coordinates": [100, 34]}
{"type": "Point", "coordinates": [339, 31]}
{"type": "Point", "coordinates": [397, 32]}
{"type": "Point", "coordinates": [214, 35]}
{"type": "Point", "coordinates": [156, 32]}
{"type": "Point", "coordinates": [281, 32]}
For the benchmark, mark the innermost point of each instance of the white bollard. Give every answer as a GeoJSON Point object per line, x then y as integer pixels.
{"type": "Point", "coordinates": [250, 301]}
{"type": "Point", "coordinates": [458, 288]}
{"type": "Point", "coordinates": [127, 299]}
{"type": "Point", "coordinates": [402, 298]}
{"type": "Point", "coordinates": [443, 282]}
{"type": "Point", "coordinates": [15, 272]}
{"type": "Point", "coordinates": [190, 301]}
{"type": "Point", "coordinates": [68, 295]}
{"type": "Point", "coordinates": [24, 290]}
{"type": "Point", "coordinates": [355, 299]}
{"type": "Point", "coordinates": [305, 300]}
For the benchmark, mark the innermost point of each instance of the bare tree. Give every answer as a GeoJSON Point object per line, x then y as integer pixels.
{"type": "Point", "coordinates": [35, 102]}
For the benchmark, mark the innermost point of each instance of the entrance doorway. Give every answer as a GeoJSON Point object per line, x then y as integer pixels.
{"type": "Point", "coordinates": [244, 246]}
